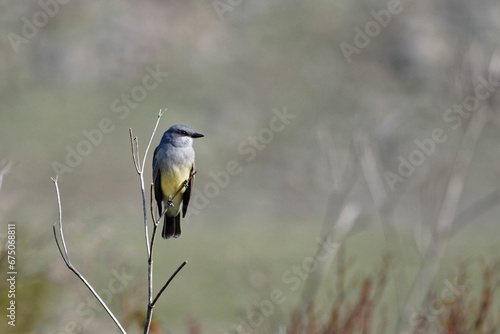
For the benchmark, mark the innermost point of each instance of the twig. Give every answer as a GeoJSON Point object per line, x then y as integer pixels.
{"type": "Point", "coordinates": [153, 217]}
{"type": "Point", "coordinates": [65, 255]}
{"type": "Point", "coordinates": [167, 283]}
{"type": "Point", "coordinates": [151, 138]}
{"type": "Point", "coordinates": [135, 156]}
{"type": "Point", "coordinates": [135, 150]}
{"type": "Point", "coordinates": [140, 170]}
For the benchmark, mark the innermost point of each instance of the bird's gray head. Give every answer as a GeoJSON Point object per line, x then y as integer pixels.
{"type": "Point", "coordinates": [180, 135]}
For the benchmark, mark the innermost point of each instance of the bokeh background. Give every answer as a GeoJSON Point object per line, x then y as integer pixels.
{"type": "Point", "coordinates": [227, 68]}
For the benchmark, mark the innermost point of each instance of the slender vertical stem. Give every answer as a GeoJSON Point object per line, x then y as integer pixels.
{"type": "Point", "coordinates": [140, 172]}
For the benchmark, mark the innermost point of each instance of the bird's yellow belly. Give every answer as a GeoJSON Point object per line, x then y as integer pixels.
{"type": "Point", "coordinates": [171, 181]}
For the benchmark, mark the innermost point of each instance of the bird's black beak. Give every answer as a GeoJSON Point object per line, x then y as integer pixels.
{"type": "Point", "coordinates": [197, 135]}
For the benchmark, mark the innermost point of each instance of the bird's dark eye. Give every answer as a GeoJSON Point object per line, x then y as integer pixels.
{"type": "Point", "coordinates": [184, 133]}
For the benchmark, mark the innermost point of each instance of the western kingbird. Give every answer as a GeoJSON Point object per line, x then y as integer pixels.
{"type": "Point", "coordinates": [173, 165]}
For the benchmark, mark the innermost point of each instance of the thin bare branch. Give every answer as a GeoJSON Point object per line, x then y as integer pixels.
{"type": "Point", "coordinates": [64, 254]}
{"type": "Point", "coordinates": [167, 283]}
{"type": "Point", "coordinates": [149, 315]}
{"type": "Point", "coordinates": [135, 152]}
{"type": "Point", "coordinates": [57, 243]}
{"type": "Point", "coordinates": [140, 171]}
{"type": "Point", "coordinates": [153, 216]}
{"type": "Point", "coordinates": [58, 195]}
{"type": "Point", "coordinates": [153, 237]}
{"type": "Point", "coordinates": [151, 138]}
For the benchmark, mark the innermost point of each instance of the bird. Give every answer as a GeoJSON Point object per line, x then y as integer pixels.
{"type": "Point", "coordinates": [173, 176]}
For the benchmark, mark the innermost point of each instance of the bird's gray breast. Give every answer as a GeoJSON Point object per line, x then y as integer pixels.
{"type": "Point", "coordinates": [176, 157]}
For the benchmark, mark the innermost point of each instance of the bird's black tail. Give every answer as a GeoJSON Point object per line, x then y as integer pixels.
{"type": "Point", "coordinates": [171, 227]}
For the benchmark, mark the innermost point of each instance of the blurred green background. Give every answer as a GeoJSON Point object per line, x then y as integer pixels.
{"type": "Point", "coordinates": [232, 66]}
